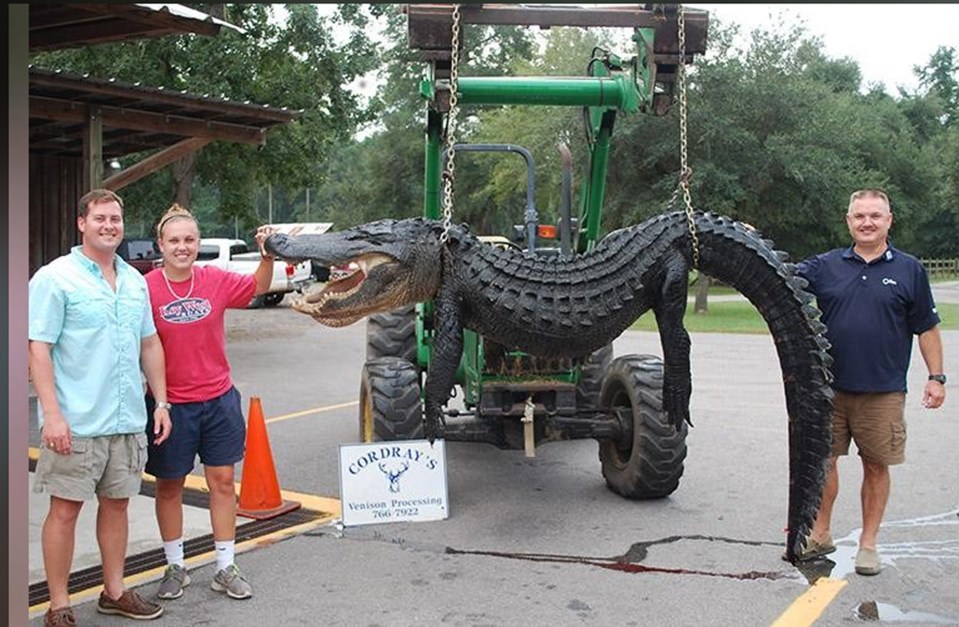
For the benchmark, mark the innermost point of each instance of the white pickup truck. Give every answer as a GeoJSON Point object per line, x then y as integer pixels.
{"type": "Point", "coordinates": [235, 255]}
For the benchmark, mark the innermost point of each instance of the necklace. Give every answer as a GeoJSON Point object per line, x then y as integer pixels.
{"type": "Point", "coordinates": [170, 287]}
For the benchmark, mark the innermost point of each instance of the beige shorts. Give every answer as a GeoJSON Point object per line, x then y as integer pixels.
{"type": "Point", "coordinates": [109, 466]}
{"type": "Point", "coordinates": [874, 421]}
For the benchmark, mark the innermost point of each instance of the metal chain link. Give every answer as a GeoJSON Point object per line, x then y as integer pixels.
{"type": "Point", "coordinates": [686, 172]}
{"type": "Point", "coordinates": [450, 142]}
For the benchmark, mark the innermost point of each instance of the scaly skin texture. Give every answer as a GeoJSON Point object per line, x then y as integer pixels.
{"type": "Point", "coordinates": [572, 307]}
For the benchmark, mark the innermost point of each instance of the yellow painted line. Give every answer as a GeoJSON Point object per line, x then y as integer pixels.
{"type": "Point", "coordinates": [312, 502]}
{"type": "Point", "coordinates": [308, 412]}
{"type": "Point", "coordinates": [805, 610]}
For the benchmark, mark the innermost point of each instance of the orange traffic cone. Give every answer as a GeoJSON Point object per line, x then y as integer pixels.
{"type": "Point", "coordinates": [259, 488]}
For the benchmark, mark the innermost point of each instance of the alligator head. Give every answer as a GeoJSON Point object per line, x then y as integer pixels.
{"type": "Point", "coordinates": [393, 262]}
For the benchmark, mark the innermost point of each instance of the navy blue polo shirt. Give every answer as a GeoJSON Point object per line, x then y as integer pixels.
{"type": "Point", "coordinates": [872, 310]}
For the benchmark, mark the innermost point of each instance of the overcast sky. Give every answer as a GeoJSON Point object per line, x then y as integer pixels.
{"type": "Point", "coordinates": [887, 40]}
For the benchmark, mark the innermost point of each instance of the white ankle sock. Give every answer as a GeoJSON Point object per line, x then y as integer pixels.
{"type": "Point", "coordinates": [224, 553]}
{"type": "Point", "coordinates": [174, 552]}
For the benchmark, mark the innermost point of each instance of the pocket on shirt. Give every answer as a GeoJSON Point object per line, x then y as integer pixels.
{"type": "Point", "coordinates": [132, 308]}
{"type": "Point", "coordinates": [89, 311]}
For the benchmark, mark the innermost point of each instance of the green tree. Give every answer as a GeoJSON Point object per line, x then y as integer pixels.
{"type": "Point", "coordinates": [382, 175]}
{"type": "Point", "coordinates": [294, 62]}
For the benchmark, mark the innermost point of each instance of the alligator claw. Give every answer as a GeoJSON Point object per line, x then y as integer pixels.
{"type": "Point", "coordinates": [434, 427]}
{"type": "Point", "coordinates": [676, 405]}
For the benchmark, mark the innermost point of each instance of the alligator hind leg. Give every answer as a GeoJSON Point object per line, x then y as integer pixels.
{"type": "Point", "coordinates": [447, 348]}
{"type": "Point", "coordinates": [677, 380]}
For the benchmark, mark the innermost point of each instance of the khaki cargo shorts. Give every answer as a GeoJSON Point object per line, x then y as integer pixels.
{"type": "Point", "coordinates": [110, 466]}
{"type": "Point", "coordinates": [875, 421]}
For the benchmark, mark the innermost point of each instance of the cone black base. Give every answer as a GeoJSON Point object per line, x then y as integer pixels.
{"type": "Point", "coordinates": [265, 514]}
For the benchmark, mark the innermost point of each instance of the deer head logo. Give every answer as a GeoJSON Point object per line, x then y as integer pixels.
{"type": "Point", "coordinates": [394, 475]}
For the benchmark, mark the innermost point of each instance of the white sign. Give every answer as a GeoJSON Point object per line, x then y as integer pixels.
{"type": "Point", "coordinates": [393, 481]}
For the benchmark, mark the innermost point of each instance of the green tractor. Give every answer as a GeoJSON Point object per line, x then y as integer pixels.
{"type": "Point", "coordinates": [511, 399]}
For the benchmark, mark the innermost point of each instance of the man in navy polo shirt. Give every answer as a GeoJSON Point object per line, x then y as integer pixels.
{"type": "Point", "coordinates": [873, 299]}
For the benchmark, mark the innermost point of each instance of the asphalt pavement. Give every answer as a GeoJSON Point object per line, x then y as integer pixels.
{"type": "Point", "coordinates": [308, 595]}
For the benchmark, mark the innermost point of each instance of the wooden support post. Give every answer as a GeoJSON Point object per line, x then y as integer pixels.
{"type": "Point", "coordinates": [529, 435]}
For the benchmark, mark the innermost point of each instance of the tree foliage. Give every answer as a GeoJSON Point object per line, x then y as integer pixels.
{"type": "Point", "coordinates": [295, 62]}
{"type": "Point", "coordinates": [779, 133]}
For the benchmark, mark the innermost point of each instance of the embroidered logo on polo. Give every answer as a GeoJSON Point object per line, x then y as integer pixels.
{"type": "Point", "coordinates": [888, 281]}
{"type": "Point", "coordinates": [185, 310]}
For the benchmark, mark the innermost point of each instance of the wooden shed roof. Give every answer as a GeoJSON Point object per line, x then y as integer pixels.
{"type": "Point", "coordinates": [58, 26]}
{"type": "Point", "coordinates": [136, 118]}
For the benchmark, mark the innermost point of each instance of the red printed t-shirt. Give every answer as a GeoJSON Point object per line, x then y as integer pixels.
{"type": "Point", "coordinates": [191, 328]}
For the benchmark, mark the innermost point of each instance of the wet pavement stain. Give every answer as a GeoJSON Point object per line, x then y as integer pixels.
{"type": "Point", "coordinates": [629, 562]}
{"type": "Point", "coordinates": [871, 611]}
{"type": "Point", "coordinates": [841, 564]}
{"type": "Point", "coordinates": [837, 565]}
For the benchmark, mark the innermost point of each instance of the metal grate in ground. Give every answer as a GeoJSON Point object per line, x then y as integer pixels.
{"type": "Point", "coordinates": [93, 576]}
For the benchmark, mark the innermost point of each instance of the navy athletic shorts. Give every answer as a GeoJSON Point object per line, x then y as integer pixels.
{"type": "Point", "coordinates": [215, 430]}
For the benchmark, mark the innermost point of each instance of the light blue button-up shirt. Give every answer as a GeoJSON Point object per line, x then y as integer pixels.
{"type": "Point", "coordinates": [96, 334]}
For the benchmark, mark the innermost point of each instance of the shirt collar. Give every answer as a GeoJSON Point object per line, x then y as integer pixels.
{"type": "Point", "coordinates": [90, 264]}
{"type": "Point", "coordinates": [890, 253]}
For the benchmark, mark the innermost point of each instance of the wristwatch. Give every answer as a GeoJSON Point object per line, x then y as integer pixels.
{"type": "Point", "coordinates": [941, 378]}
{"type": "Point", "coordinates": [164, 405]}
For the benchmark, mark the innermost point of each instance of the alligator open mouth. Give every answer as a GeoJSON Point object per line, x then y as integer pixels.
{"type": "Point", "coordinates": [355, 289]}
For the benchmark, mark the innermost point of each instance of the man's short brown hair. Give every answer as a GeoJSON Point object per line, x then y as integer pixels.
{"type": "Point", "coordinates": [97, 196]}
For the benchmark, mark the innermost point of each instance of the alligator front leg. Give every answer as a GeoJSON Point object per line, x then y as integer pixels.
{"type": "Point", "coordinates": [677, 380]}
{"type": "Point", "coordinates": [447, 348]}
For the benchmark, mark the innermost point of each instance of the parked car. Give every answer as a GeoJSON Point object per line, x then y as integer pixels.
{"type": "Point", "coordinates": [235, 255]}
{"type": "Point", "coordinates": [142, 253]}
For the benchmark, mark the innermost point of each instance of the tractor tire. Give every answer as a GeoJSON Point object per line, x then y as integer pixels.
{"type": "Point", "coordinates": [591, 378]}
{"type": "Point", "coordinates": [392, 334]}
{"type": "Point", "coordinates": [647, 465]}
{"type": "Point", "coordinates": [390, 406]}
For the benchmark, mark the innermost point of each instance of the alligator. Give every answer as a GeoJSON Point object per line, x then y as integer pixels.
{"type": "Point", "coordinates": [572, 306]}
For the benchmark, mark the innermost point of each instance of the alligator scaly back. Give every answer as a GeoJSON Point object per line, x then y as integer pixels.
{"type": "Point", "coordinates": [575, 306]}
{"type": "Point", "coordinates": [570, 307]}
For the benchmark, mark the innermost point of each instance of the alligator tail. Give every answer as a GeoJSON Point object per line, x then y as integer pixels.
{"type": "Point", "coordinates": [739, 256]}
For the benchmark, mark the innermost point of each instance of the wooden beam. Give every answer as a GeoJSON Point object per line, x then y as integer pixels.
{"type": "Point", "coordinates": [93, 148]}
{"type": "Point", "coordinates": [67, 111]}
{"type": "Point", "coordinates": [154, 163]}
{"type": "Point", "coordinates": [429, 25]}
{"type": "Point", "coordinates": [174, 98]}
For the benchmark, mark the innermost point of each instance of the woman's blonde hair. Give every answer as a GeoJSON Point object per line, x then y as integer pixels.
{"type": "Point", "coordinates": [175, 212]}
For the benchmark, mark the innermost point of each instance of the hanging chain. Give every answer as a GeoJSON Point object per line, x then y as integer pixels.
{"type": "Point", "coordinates": [449, 146]}
{"type": "Point", "coordinates": [686, 172]}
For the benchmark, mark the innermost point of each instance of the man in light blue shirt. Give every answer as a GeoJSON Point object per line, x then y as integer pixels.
{"type": "Point", "coordinates": [91, 334]}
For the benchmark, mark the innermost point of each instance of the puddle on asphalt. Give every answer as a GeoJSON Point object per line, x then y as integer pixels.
{"type": "Point", "coordinates": [871, 611]}
{"type": "Point", "coordinates": [842, 562]}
